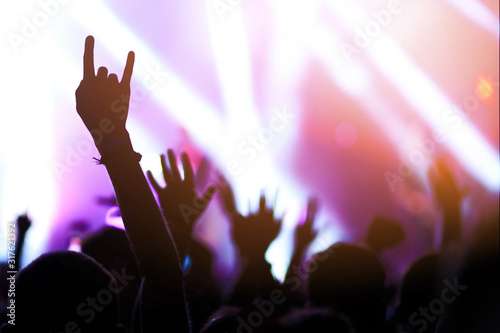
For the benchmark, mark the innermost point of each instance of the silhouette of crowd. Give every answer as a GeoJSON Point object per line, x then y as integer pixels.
{"type": "Point", "coordinates": [154, 276]}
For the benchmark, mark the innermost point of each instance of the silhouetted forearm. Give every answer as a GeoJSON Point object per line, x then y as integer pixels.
{"type": "Point", "coordinates": [23, 223]}
{"type": "Point", "coordinates": [19, 251]}
{"type": "Point", "coordinates": [256, 280]}
{"type": "Point", "coordinates": [152, 244]}
{"type": "Point", "coordinates": [293, 292]}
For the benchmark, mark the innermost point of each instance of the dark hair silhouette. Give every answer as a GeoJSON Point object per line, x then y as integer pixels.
{"type": "Point", "coordinates": [419, 287]}
{"type": "Point", "coordinates": [58, 290]}
{"type": "Point", "coordinates": [384, 233]}
{"type": "Point", "coordinates": [350, 279]}
{"type": "Point", "coordinates": [110, 247]}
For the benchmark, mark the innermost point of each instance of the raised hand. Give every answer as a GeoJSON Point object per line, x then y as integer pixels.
{"type": "Point", "coordinates": [304, 233]}
{"type": "Point", "coordinates": [445, 188]}
{"type": "Point", "coordinates": [448, 196]}
{"type": "Point", "coordinates": [179, 201]}
{"type": "Point", "coordinates": [23, 224]}
{"type": "Point", "coordinates": [254, 233]}
{"type": "Point", "coordinates": [102, 101]}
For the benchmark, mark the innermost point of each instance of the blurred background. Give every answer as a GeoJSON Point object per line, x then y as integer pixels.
{"type": "Point", "coordinates": [349, 102]}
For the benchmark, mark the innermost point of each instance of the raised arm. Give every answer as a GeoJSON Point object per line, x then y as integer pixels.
{"type": "Point", "coordinates": [23, 224]}
{"type": "Point", "coordinates": [304, 235]}
{"type": "Point", "coordinates": [448, 197]}
{"type": "Point", "coordinates": [102, 103]}
{"type": "Point", "coordinates": [252, 235]}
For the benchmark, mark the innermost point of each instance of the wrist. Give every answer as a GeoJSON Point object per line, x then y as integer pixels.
{"type": "Point", "coordinates": [113, 144]}
{"type": "Point", "coordinates": [118, 148]}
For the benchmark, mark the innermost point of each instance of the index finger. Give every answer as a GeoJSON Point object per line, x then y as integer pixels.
{"type": "Point", "coordinates": [129, 66]}
{"type": "Point", "coordinates": [312, 205]}
{"type": "Point", "coordinates": [88, 58]}
{"type": "Point", "coordinates": [262, 202]}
